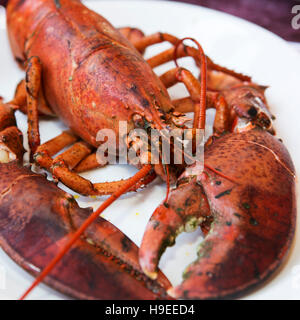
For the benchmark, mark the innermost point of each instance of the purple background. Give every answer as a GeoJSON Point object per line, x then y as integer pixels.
{"type": "Point", "coordinates": [274, 15]}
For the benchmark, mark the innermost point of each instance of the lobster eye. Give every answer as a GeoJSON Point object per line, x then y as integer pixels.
{"type": "Point", "coordinates": [252, 112]}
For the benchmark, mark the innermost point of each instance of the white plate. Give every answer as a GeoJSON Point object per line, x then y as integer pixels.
{"type": "Point", "coordinates": [231, 42]}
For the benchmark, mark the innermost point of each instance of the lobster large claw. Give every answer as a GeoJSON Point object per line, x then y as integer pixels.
{"type": "Point", "coordinates": [248, 187]}
{"type": "Point", "coordinates": [37, 219]}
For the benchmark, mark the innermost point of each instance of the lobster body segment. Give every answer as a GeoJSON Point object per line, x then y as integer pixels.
{"type": "Point", "coordinates": [95, 77]}
{"type": "Point", "coordinates": [248, 190]}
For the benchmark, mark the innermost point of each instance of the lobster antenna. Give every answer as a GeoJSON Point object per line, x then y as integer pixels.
{"type": "Point", "coordinates": [168, 183]}
{"type": "Point", "coordinates": [232, 73]}
{"type": "Point", "coordinates": [200, 109]}
{"type": "Point", "coordinates": [131, 182]}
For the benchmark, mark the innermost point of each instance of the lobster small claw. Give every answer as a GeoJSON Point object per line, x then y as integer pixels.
{"type": "Point", "coordinates": [249, 103]}
{"type": "Point", "coordinates": [248, 187]}
{"type": "Point", "coordinates": [246, 100]}
{"type": "Point", "coordinates": [11, 139]}
{"type": "Point", "coordinates": [186, 209]}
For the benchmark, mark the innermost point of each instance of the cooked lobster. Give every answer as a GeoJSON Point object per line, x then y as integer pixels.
{"type": "Point", "coordinates": [92, 76]}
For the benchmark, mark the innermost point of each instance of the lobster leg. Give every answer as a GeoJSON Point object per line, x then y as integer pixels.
{"type": "Point", "coordinates": [72, 156]}
{"type": "Point", "coordinates": [184, 105]}
{"type": "Point", "coordinates": [245, 102]}
{"type": "Point", "coordinates": [20, 98]}
{"type": "Point", "coordinates": [173, 76]}
{"type": "Point", "coordinates": [33, 84]}
{"type": "Point", "coordinates": [62, 166]}
{"type": "Point", "coordinates": [108, 188]}
{"type": "Point", "coordinates": [64, 163]}
{"type": "Point", "coordinates": [220, 81]}
{"type": "Point", "coordinates": [160, 37]}
{"type": "Point", "coordinates": [20, 101]}
{"type": "Point", "coordinates": [103, 264]}
{"type": "Point", "coordinates": [223, 119]}
{"type": "Point", "coordinates": [183, 51]}
{"type": "Point", "coordinates": [155, 38]}
{"type": "Point", "coordinates": [53, 146]}
{"type": "Point", "coordinates": [222, 122]}
{"type": "Point", "coordinates": [34, 99]}
{"type": "Point", "coordinates": [178, 74]}
{"type": "Point", "coordinates": [134, 35]}
{"type": "Point", "coordinates": [88, 163]}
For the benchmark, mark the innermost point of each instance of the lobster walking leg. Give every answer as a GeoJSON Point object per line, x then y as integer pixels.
{"type": "Point", "coordinates": [134, 35]}
{"type": "Point", "coordinates": [183, 51]}
{"type": "Point", "coordinates": [33, 84]}
{"type": "Point", "coordinates": [72, 156]}
{"type": "Point", "coordinates": [223, 119]}
{"type": "Point", "coordinates": [186, 51]}
{"type": "Point", "coordinates": [62, 166]}
{"type": "Point", "coordinates": [178, 74]}
{"type": "Point", "coordinates": [173, 76]}
{"type": "Point", "coordinates": [155, 38]}
{"type": "Point", "coordinates": [89, 163]}
{"type": "Point", "coordinates": [103, 264]}
{"type": "Point", "coordinates": [20, 97]}
{"type": "Point", "coordinates": [53, 146]}
{"type": "Point", "coordinates": [20, 101]}
{"type": "Point", "coordinates": [184, 105]}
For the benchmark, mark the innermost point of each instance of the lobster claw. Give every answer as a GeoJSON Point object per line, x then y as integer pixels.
{"type": "Point", "coordinates": [248, 188]}
{"type": "Point", "coordinates": [186, 208]}
{"type": "Point", "coordinates": [249, 103]}
{"type": "Point", "coordinates": [11, 139]}
{"type": "Point", "coordinates": [37, 219]}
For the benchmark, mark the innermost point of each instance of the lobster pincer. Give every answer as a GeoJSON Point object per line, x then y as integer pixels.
{"type": "Point", "coordinates": [37, 219]}
{"type": "Point", "coordinates": [247, 194]}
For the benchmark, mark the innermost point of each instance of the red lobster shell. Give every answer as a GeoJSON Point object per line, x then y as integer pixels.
{"type": "Point", "coordinates": [92, 78]}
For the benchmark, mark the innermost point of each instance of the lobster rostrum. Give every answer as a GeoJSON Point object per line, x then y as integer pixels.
{"type": "Point", "coordinates": [90, 75]}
